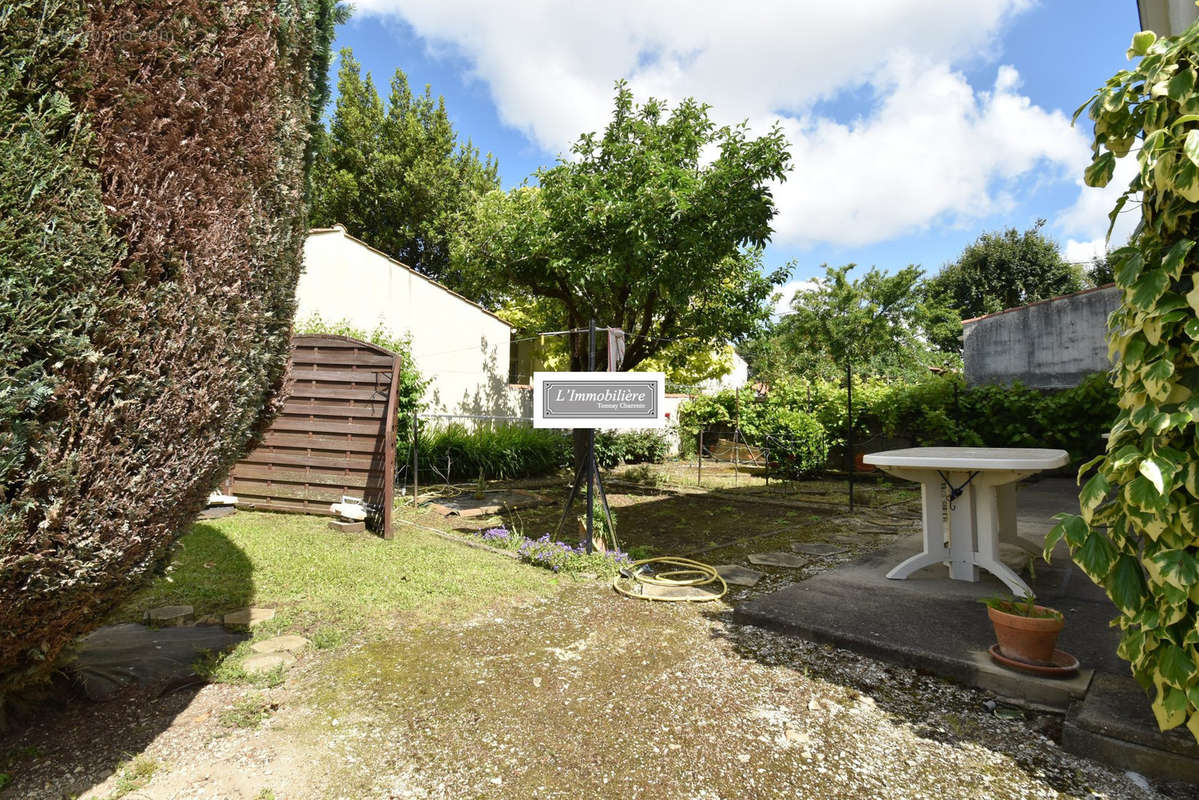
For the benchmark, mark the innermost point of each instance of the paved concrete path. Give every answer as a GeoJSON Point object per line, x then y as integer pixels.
{"type": "Point", "coordinates": [931, 622]}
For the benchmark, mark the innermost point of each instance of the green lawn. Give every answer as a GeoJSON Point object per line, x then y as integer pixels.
{"type": "Point", "coordinates": [326, 583]}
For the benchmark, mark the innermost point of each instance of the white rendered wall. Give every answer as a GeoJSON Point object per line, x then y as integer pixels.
{"type": "Point", "coordinates": [735, 378]}
{"type": "Point", "coordinates": [461, 347]}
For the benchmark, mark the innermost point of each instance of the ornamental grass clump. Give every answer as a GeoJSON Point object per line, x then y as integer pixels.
{"type": "Point", "coordinates": [1137, 533]}
{"type": "Point", "coordinates": [152, 187]}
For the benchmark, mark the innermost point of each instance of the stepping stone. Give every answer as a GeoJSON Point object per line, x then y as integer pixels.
{"type": "Point", "coordinates": [280, 644]}
{"type": "Point", "coordinates": [261, 663]}
{"type": "Point", "coordinates": [166, 616]}
{"type": "Point", "coordinates": [678, 592]}
{"type": "Point", "coordinates": [790, 560]}
{"type": "Point", "coordinates": [249, 616]}
{"type": "Point", "coordinates": [817, 548]}
{"type": "Point", "coordinates": [347, 527]}
{"type": "Point", "coordinates": [737, 575]}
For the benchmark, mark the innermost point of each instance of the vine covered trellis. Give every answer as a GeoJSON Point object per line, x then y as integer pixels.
{"type": "Point", "coordinates": [1137, 533]}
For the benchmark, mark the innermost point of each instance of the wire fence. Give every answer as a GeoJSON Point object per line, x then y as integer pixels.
{"type": "Point", "coordinates": [713, 457]}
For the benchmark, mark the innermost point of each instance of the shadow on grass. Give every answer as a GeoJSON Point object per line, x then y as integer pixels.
{"type": "Point", "coordinates": [205, 570]}
{"type": "Point", "coordinates": [124, 684]}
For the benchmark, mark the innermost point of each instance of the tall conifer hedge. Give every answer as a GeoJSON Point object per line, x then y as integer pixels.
{"type": "Point", "coordinates": [152, 191]}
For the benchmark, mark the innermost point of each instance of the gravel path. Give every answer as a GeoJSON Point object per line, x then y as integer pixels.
{"type": "Point", "coordinates": [581, 695]}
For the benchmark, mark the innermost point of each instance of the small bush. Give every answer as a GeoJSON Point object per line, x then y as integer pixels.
{"type": "Point", "coordinates": [456, 453]}
{"type": "Point", "coordinates": [630, 447]}
{"type": "Point", "coordinates": [645, 475]}
{"type": "Point", "coordinates": [796, 442]}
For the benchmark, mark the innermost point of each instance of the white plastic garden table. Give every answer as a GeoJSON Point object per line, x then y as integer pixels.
{"type": "Point", "coordinates": [980, 483]}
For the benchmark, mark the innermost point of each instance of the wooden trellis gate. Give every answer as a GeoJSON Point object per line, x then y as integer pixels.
{"type": "Point", "coordinates": [335, 436]}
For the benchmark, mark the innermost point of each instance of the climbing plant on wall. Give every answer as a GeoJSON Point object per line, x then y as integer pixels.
{"type": "Point", "coordinates": [1138, 531]}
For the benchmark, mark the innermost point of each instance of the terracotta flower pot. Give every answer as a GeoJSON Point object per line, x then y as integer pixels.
{"type": "Point", "coordinates": [1023, 638]}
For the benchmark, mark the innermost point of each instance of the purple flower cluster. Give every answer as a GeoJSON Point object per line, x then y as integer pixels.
{"type": "Point", "coordinates": [549, 554]}
{"type": "Point", "coordinates": [543, 551]}
{"type": "Point", "coordinates": [496, 534]}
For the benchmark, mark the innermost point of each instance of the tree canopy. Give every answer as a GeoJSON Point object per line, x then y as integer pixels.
{"type": "Point", "coordinates": [639, 230]}
{"type": "Point", "coordinates": [396, 176]}
{"type": "Point", "coordinates": [879, 323]}
{"type": "Point", "coordinates": [1005, 269]}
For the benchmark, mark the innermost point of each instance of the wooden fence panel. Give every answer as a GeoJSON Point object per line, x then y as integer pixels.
{"type": "Point", "coordinates": [335, 435]}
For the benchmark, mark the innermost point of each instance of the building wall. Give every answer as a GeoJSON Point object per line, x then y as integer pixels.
{"type": "Point", "coordinates": [1048, 345]}
{"type": "Point", "coordinates": [461, 347]}
{"type": "Point", "coordinates": [735, 378]}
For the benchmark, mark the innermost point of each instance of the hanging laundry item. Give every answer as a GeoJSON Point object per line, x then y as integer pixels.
{"type": "Point", "coordinates": [615, 349]}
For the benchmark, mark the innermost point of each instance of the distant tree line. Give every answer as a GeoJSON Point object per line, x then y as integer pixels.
{"type": "Point", "coordinates": [905, 324]}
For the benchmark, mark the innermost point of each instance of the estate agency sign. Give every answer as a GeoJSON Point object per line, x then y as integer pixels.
{"type": "Point", "coordinates": [599, 399]}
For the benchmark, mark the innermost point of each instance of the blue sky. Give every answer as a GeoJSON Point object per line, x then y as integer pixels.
{"type": "Point", "coordinates": [915, 124]}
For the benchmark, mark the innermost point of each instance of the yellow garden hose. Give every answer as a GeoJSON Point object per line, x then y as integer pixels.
{"type": "Point", "coordinates": [634, 578]}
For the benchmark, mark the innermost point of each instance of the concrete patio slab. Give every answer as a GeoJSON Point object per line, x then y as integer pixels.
{"type": "Point", "coordinates": [1114, 724]}
{"type": "Point", "coordinates": [932, 623]}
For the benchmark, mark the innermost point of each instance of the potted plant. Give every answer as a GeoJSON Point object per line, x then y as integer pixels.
{"type": "Point", "coordinates": [1025, 631]}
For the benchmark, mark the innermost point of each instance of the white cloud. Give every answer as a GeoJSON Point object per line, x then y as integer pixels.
{"type": "Point", "coordinates": [1082, 252]}
{"type": "Point", "coordinates": [935, 151]}
{"type": "Point", "coordinates": [928, 149]}
{"type": "Point", "coordinates": [787, 291]}
{"type": "Point", "coordinates": [1088, 219]}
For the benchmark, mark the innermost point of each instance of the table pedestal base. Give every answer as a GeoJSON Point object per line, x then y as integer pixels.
{"type": "Point", "coordinates": [981, 517]}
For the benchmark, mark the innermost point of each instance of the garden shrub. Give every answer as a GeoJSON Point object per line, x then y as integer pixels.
{"type": "Point", "coordinates": [455, 453]}
{"type": "Point", "coordinates": [937, 410]}
{"type": "Point", "coordinates": [796, 443]}
{"type": "Point", "coordinates": [630, 447]}
{"type": "Point", "coordinates": [152, 184]}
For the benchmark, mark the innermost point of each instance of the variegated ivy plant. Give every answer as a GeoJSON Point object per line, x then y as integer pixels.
{"type": "Point", "coordinates": [1138, 531]}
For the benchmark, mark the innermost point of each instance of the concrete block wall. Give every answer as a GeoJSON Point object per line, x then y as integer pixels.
{"type": "Point", "coordinates": [1053, 344]}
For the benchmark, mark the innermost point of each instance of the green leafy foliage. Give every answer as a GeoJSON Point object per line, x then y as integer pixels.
{"type": "Point", "coordinates": [879, 323]}
{"type": "Point", "coordinates": [152, 183]}
{"type": "Point", "coordinates": [396, 176]}
{"type": "Point", "coordinates": [1020, 606]}
{"type": "Point", "coordinates": [795, 442]}
{"type": "Point", "coordinates": [456, 453]}
{"type": "Point", "coordinates": [639, 229]}
{"type": "Point", "coordinates": [1005, 269]}
{"type": "Point", "coordinates": [936, 410]}
{"type": "Point", "coordinates": [781, 422]}
{"type": "Point", "coordinates": [1137, 533]}
{"type": "Point", "coordinates": [630, 447]}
